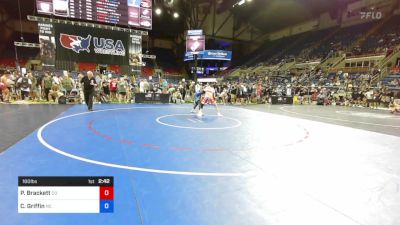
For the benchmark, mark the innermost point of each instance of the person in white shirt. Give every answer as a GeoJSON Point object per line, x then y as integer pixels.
{"type": "Point", "coordinates": [370, 97]}
{"type": "Point", "coordinates": [56, 80]}
{"type": "Point", "coordinates": [25, 85]}
{"type": "Point", "coordinates": [141, 86]}
{"type": "Point", "coordinates": [224, 95]}
{"type": "Point", "coordinates": [395, 106]}
{"type": "Point", "coordinates": [146, 86]}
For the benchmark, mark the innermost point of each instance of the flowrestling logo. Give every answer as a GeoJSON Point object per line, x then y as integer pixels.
{"type": "Point", "coordinates": [100, 45]}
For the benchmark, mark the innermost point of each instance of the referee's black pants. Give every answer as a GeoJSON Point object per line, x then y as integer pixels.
{"type": "Point", "coordinates": [88, 94]}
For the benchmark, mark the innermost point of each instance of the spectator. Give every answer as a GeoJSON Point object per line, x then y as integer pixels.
{"type": "Point", "coordinates": [34, 87]}
{"type": "Point", "coordinates": [7, 86]}
{"type": "Point", "coordinates": [67, 84]}
{"type": "Point", "coordinates": [54, 92]}
{"type": "Point", "coordinates": [164, 85]}
{"type": "Point", "coordinates": [24, 83]}
{"type": "Point", "coordinates": [146, 86]}
{"type": "Point", "coordinates": [47, 83]}
{"type": "Point", "coordinates": [141, 86]}
{"type": "Point", "coordinates": [113, 88]}
{"type": "Point", "coordinates": [122, 86]}
{"type": "Point", "coordinates": [105, 87]}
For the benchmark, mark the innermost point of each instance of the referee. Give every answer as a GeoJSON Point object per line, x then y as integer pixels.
{"type": "Point", "coordinates": [89, 82]}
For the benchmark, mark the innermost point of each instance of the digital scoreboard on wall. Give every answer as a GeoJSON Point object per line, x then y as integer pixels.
{"type": "Point", "coordinates": [135, 13]}
{"type": "Point", "coordinates": [195, 41]}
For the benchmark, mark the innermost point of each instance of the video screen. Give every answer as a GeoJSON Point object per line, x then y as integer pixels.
{"type": "Point", "coordinates": [195, 43]}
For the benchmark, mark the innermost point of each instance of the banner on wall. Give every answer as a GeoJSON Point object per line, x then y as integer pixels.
{"type": "Point", "coordinates": [210, 55]}
{"type": "Point", "coordinates": [47, 44]}
{"type": "Point", "coordinates": [88, 44]}
{"type": "Point", "coordinates": [135, 50]}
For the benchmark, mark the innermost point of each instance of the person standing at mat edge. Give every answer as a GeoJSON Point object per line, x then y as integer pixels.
{"type": "Point", "coordinates": [89, 83]}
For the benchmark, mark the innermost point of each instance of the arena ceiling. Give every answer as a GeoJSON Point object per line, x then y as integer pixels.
{"type": "Point", "coordinates": [266, 15]}
{"type": "Point", "coordinates": [271, 15]}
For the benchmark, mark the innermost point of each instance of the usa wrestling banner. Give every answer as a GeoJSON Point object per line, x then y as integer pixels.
{"type": "Point", "coordinates": [88, 44]}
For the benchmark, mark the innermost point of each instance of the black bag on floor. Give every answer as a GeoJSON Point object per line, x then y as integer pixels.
{"type": "Point", "coordinates": [62, 100]}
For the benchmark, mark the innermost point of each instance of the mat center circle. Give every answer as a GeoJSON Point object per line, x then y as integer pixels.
{"type": "Point", "coordinates": [192, 121]}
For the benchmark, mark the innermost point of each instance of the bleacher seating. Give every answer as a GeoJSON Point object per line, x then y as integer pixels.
{"type": "Point", "coordinates": [386, 37]}
{"type": "Point", "coordinates": [392, 80]}
{"type": "Point", "coordinates": [171, 71]}
{"type": "Point", "coordinates": [146, 71]}
{"type": "Point", "coordinates": [10, 62]}
{"type": "Point", "coordinates": [307, 45]}
{"type": "Point", "coordinates": [343, 39]}
{"type": "Point", "coordinates": [311, 39]}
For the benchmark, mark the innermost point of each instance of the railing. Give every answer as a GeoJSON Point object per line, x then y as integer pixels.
{"type": "Point", "coordinates": [339, 61]}
{"type": "Point", "coordinates": [326, 58]}
{"type": "Point", "coordinates": [379, 54]}
{"type": "Point", "coordinates": [349, 69]}
{"type": "Point", "coordinates": [389, 57]}
{"type": "Point", "coordinates": [383, 66]}
{"type": "Point", "coordinates": [384, 72]}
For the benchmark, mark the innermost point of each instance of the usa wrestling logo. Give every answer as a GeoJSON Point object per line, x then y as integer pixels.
{"type": "Point", "coordinates": [75, 43]}
{"type": "Point", "coordinates": [101, 46]}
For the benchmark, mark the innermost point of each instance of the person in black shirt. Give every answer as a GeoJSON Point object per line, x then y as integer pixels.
{"type": "Point", "coordinates": [89, 83]}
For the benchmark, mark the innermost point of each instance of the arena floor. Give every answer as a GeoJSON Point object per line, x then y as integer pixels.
{"type": "Point", "coordinates": [278, 165]}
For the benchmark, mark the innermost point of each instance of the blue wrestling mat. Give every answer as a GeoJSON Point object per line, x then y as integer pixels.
{"type": "Point", "coordinates": [170, 167]}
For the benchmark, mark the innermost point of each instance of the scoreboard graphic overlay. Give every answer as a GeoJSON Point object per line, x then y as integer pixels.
{"type": "Point", "coordinates": [65, 194]}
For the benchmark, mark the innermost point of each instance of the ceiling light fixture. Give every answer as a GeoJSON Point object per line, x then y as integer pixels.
{"type": "Point", "coordinates": [239, 3]}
